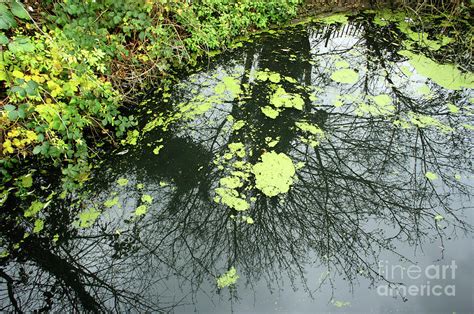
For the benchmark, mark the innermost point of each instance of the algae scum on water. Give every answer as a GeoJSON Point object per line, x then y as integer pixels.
{"type": "Point", "coordinates": [283, 151]}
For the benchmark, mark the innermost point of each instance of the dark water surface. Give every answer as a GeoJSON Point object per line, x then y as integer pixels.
{"type": "Point", "coordinates": [316, 161]}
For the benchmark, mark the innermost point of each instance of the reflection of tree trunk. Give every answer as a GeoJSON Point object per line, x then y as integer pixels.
{"type": "Point", "coordinates": [62, 270]}
{"type": "Point", "coordinates": [11, 295]}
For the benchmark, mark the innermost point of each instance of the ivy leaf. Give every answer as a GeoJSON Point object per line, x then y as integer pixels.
{"type": "Point", "coordinates": [3, 39]}
{"type": "Point", "coordinates": [13, 115]}
{"type": "Point", "coordinates": [19, 10]}
{"type": "Point", "coordinates": [9, 108]}
{"type": "Point", "coordinates": [31, 88]}
{"type": "Point", "coordinates": [37, 150]}
{"type": "Point", "coordinates": [7, 20]}
{"type": "Point", "coordinates": [18, 90]}
{"type": "Point", "coordinates": [21, 44]}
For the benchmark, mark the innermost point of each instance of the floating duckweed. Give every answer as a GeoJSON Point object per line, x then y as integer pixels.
{"type": "Point", "coordinates": [38, 226]}
{"type": "Point", "coordinates": [431, 176]}
{"type": "Point", "coordinates": [274, 77]}
{"type": "Point", "coordinates": [341, 64]}
{"type": "Point", "coordinates": [306, 127]}
{"type": "Point", "coordinates": [157, 149]}
{"type": "Point", "coordinates": [238, 149]}
{"type": "Point", "coordinates": [345, 76]}
{"type": "Point", "coordinates": [248, 220]}
{"type": "Point", "coordinates": [147, 198]}
{"type": "Point", "coordinates": [406, 70]}
{"type": "Point", "coordinates": [270, 112]}
{"type": "Point", "coordinates": [229, 84]}
{"type": "Point", "coordinates": [452, 108]}
{"type": "Point", "coordinates": [141, 210]}
{"type": "Point", "coordinates": [334, 18]}
{"type": "Point", "coordinates": [122, 181]}
{"type": "Point", "coordinates": [283, 99]}
{"type": "Point", "coordinates": [382, 100]}
{"type": "Point", "coordinates": [231, 198]}
{"type": "Point", "coordinates": [228, 279]}
{"type": "Point", "coordinates": [111, 202]}
{"type": "Point", "coordinates": [273, 143]}
{"type": "Point", "coordinates": [445, 75]}
{"type": "Point", "coordinates": [424, 90]}
{"type": "Point", "coordinates": [238, 125]}
{"type": "Point", "coordinates": [382, 106]}
{"type": "Point", "coordinates": [338, 103]}
{"type": "Point", "coordinates": [274, 174]}
{"type": "Point", "coordinates": [230, 182]}
{"type": "Point", "coordinates": [423, 121]}
{"type": "Point", "coordinates": [262, 75]}
{"type": "Point", "coordinates": [88, 217]}
{"type": "Point", "coordinates": [132, 137]}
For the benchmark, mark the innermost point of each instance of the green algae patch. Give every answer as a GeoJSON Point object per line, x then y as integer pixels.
{"type": "Point", "coordinates": [272, 142]}
{"type": "Point", "coordinates": [147, 198]}
{"type": "Point", "coordinates": [111, 202]}
{"type": "Point", "coordinates": [157, 149]}
{"type": "Point", "coordinates": [307, 127]}
{"type": "Point", "coordinates": [287, 100]}
{"type": "Point", "coordinates": [345, 76]}
{"type": "Point", "coordinates": [314, 133]}
{"type": "Point", "coordinates": [238, 125]}
{"type": "Point", "coordinates": [237, 149]}
{"type": "Point", "coordinates": [341, 64]}
{"type": "Point", "coordinates": [228, 84]}
{"type": "Point", "coordinates": [334, 18]}
{"type": "Point", "coordinates": [230, 196]}
{"type": "Point", "coordinates": [275, 77]}
{"type": "Point", "coordinates": [382, 100]}
{"type": "Point", "coordinates": [431, 176]}
{"type": "Point", "coordinates": [445, 75]}
{"type": "Point", "coordinates": [227, 279]}
{"type": "Point", "coordinates": [141, 210]}
{"type": "Point", "coordinates": [132, 137]}
{"type": "Point", "coordinates": [34, 208]}
{"type": "Point", "coordinates": [381, 106]}
{"type": "Point", "coordinates": [274, 174]}
{"type": "Point", "coordinates": [87, 218]}
{"type": "Point", "coordinates": [122, 181]}
{"type": "Point", "coordinates": [270, 112]}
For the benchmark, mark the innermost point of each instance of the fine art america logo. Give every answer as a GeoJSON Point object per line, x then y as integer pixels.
{"type": "Point", "coordinates": [430, 280]}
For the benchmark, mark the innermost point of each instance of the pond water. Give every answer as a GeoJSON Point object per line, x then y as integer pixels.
{"type": "Point", "coordinates": [323, 167]}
